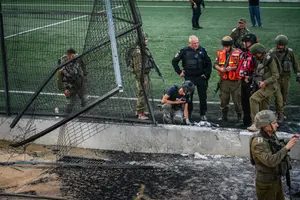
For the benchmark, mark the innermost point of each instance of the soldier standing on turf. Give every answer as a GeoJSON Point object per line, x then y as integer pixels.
{"type": "Point", "coordinates": [245, 71]}
{"type": "Point", "coordinates": [71, 79]}
{"type": "Point", "coordinates": [238, 33]}
{"type": "Point", "coordinates": [264, 81]}
{"type": "Point", "coordinates": [226, 63]}
{"type": "Point", "coordinates": [137, 71]}
{"type": "Point", "coordinates": [196, 7]}
{"type": "Point", "coordinates": [288, 63]}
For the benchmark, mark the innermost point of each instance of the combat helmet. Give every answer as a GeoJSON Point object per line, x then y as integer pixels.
{"type": "Point", "coordinates": [281, 40]}
{"type": "Point", "coordinates": [227, 41]}
{"type": "Point", "coordinates": [188, 86]}
{"type": "Point", "coordinates": [257, 48]}
{"type": "Point", "coordinates": [250, 37]}
{"type": "Point", "coordinates": [264, 118]}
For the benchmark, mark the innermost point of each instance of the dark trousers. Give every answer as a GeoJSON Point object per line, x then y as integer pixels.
{"type": "Point", "coordinates": [196, 15]}
{"type": "Point", "coordinates": [245, 96]}
{"type": "Point", "coordinates": [201, 84]}
{"type": "Point", "coordinates": [255, 13]}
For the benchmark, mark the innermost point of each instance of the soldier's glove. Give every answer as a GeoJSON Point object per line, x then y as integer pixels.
{"type": "Point", "coordinates": [187, 121]}
{"type": "Point", "coordinates": [298, 77]}
{"type": "Point", "coordinates": [203, 5]}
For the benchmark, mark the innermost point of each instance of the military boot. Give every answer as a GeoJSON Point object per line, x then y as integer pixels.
{"type": "Point", "coordinates": [239, 118]}
{"type": "Point", "coordinates": [223, 116]}
{"type": "Point", "coordinates": [280, 118]}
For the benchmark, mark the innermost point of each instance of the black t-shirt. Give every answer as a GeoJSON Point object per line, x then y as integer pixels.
{"type": "Point", "coordinates": [253, 2]}
{"type": "Point", "coordinates": [172, 92]}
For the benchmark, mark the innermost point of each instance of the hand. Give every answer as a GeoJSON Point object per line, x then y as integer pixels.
{"type": "Point", "coordinates": [297, 136]}
{"type": "Point", "coordinates": [228, 69]}
{"type": "Point", "coordinates": [182, 73]}
{"type": "Point", "coordinates": [145, 83]}
{"type": "Point", "coordinates": [291, 143]}
{"type": "Point", "coordinates": [222, 70]}
{"type": "Point", "coordinates": [262, 84]}
{"type": "Point", "coordinates": [203, 5]}
{"type": "Point", "coordinates": [203, 75]}
{"type": "Point", "coordinates": [187, 121]}
{"type": "Point", "coordinates": [247, 79]}
{"type": "Point", "coordinates": [180, 101]}
{"type": "Point", "coordinates": [195, 5]}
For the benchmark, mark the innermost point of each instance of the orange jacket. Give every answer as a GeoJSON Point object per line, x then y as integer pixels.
{"type": "Point", "coordinates": [233, 62]}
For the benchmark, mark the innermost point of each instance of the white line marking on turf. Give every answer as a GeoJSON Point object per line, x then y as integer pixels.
{"type": "Point", "coordinates": [149, 6]}
{"type": "Point", "coordinates": [41, 27]}
{"type": "Point", "coordinates": [230, 7]}
{"type": "Point", "coordinates": [49, 25]}
{"type": "Point", "coordinates": [95, 96]}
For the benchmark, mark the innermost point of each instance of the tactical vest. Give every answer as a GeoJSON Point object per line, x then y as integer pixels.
{"type": "Point", "coordinates": [233, 62]}
{"type": "Point", "coordinates": [246, 65]}
{"type": "Point", "coordinates": [193, 60]}
{"type": "Point", "coordinates": [259, 71]}
{"type": "Point", "coordinates": [285, 59]}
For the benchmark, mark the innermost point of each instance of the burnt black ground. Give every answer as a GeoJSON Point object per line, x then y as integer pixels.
{"type": "Point", "coordinates": [173, 177]}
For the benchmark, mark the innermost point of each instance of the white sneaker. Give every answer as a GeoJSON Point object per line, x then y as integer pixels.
{"type": "Point", "coordinates": [252, 128]}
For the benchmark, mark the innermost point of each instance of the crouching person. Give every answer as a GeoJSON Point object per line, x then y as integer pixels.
{"type": "Point", "coordinates": [175, 103]}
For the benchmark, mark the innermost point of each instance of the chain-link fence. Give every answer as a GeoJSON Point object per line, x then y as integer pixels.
{"type": "Point", "coordinates": [37, 35]}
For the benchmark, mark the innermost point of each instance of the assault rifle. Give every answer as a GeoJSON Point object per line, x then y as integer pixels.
{"type": "Point", "coordinates": [155, 66]}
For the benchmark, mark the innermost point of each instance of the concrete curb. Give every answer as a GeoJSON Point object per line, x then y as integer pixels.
{"type": "Point", "coordinates": [149, 139]}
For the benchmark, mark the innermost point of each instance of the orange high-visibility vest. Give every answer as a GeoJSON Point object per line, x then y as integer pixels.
{"type": "Point", "coordinates": [233, 62]}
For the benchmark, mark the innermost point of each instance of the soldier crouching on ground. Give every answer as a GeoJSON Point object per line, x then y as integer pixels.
{"type": "Point", "coordinates": [270, 157]}
{"type": "Point", "coordinates": [71, 79]}
{"type": "Point", "coordinates": [175, 103]}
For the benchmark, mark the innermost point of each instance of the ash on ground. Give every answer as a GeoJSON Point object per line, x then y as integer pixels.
{"type": "Point", "coordinates": [164, 176]}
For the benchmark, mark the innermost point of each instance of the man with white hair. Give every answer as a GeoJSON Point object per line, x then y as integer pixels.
{"type": "Point", "coordinates": [196, 67]}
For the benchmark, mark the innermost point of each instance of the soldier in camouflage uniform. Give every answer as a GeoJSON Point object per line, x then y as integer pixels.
{"type": "Point", "coordinates": [238, 33]}
{"type": "Point", "coordinates": [137, 71]}
{"type": "Point", "coordinates": [264, 81]}
{"type": "Point", "coordinates": [71, 79]}
{"type": "Point", "coordinates": [270, 157]}
{"type": "Point", "coordinates": [288, 63]}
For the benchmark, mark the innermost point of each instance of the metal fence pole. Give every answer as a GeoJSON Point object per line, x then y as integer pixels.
{"type": "Point", "coordinates": [4, 63]}
{"type": "Point", "coordinates": [113, 43]}
{"type": "Point", "coordinates": [141, 39]}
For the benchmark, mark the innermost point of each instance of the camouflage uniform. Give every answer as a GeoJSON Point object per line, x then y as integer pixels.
{"type": "Point", "coordinates": [137, 71]}
{"type": "Point", "coordinates": [237, 34]}
{"type": "Point", "coordinates": [265, 71]}
{"type": "Point", "coordinates": [288, 62]}
{"type": "Point", "coordinates": [72, 77]}
{"type": "Point", "coordinates": [270, 158]}
{"type": "Point", "coordinates": [267, 166]}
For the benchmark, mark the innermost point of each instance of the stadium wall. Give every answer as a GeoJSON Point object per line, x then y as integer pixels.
{"type": "Point", "coordinates": [152, 139]}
